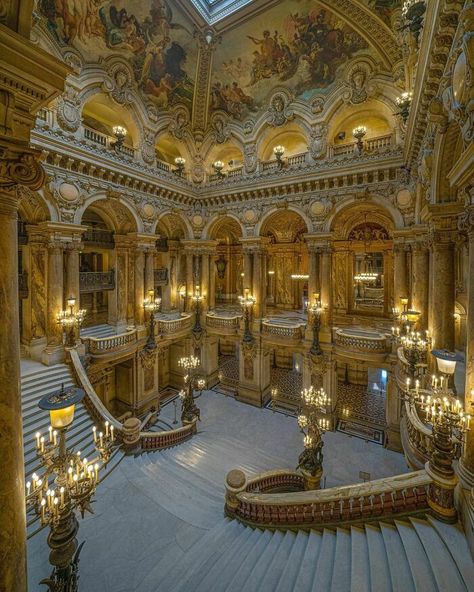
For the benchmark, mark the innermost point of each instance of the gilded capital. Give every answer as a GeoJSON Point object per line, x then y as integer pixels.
{"type": "Point", "coordinates": [19, 165]}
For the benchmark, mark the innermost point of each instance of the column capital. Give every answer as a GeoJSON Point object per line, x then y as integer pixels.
{"type": "Point", "coordinates": [466, 222]}
{"type": "Point", "coordinates": [254, 244]}
{"type": "Point", "coordinates": [142, 242]}
{"type": "Point", "coordinates": [19, 165]}
{"type": "Point", "coordinates": [68, 235]}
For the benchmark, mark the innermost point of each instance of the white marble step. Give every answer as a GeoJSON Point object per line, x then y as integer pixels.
{"type": "Point", "coordinates": [455, 540]}
{"type": "Point", "coordinates": [399, 568]}
{"type": "Point", "coordinates": [305, 576]}
{"type": "Point", "coordinates": [360, 568]}
{"type": "Point", "coordinates": [324, 566]}
{"type": "Point", "coordinates": [257, 575]}
{"type": "Point", "coordinates": [279, 561]}
{"type": "Point", "coordinates": [378, 560]}
{"type": "Point", "coordinates": [244, 570]}
{"type": "Point", "coordinates": [415, 556]}
{"type": "Point", "coordinates": [442, 564]}
{"type": "Point", "coordinates": [341, 575]}
{"type": "Point", "coordinates": [292, 567]}
{"type": "Point", "coordinates": [98, 331]}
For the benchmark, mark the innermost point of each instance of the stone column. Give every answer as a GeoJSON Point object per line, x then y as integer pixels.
{"type": "Point", "coordinates": [72, 272]}
{"type": "Point", "coordinates": [54, 336]}
{"type": "Point", "coordinates": [149, 270]}
{"type": "Point", "coordinates": [443, 292]}
{"type": "Point", "coordinates": [466, 465]}
{"type": "Point", "coordinates": [420, 281]}
{"type": "Point", "coordinates": [314, 271]}
{"type": "Point", "coordinates": [326, 290]}
{"type": "Point", "coordinates": [139, 286]}
{"type": "Point", "coordinates": [18, 165]}
{"type": "Point", "coordinates": [166, 289]}
{"type": "Point", "coordinates": [117, 303]}
{"type": "Point", "coordinates": [400, 280]}
{"type": "Point", "coordinates": [205, 280]}
{"type": "Point", "coordinates": [189, 280]}
{"type": "Point", "coordinates": [257, 291]}
{"type": "Point", "coordinates": [212, 282]}
{"type": "Point", "coordinates": [247, 280]}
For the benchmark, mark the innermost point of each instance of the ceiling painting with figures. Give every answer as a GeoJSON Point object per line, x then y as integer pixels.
{"type": "Point", "coordinates": [153, 36]}
{"type": "Point", "coordinates": [300, 45]}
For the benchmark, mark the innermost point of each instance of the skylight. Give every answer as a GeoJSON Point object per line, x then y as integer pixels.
{"type": "Point", "coordinates": [214, 11]}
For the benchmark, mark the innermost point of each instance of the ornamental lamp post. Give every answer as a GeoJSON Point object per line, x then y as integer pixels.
{"type": "Point", "coordinates": [69, 319]}
{"type": "Point", "coordinates": [152, 305]}
{"type": "Point", "coordinates": [315, 308]}
{"type": "Point", "coordinates": [247, 303]}
{"type": "Point", "coordinates": [197, 298]}
{"type": "Point", "coordinates": [189, 409]}
{"type": "Point", "coordinates": [359, 133]}
{"type": "Point", "coordinates": [279, 151]}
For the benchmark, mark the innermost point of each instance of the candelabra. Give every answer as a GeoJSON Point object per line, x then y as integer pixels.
{"type": "Point", "coordinates": [314, 403]}
{"type": "Point", "coordinates": [189, 409]}
{"type": "Point", "coordinates": [316, 309]}
{"type": "Point", "coordinates": [359, 133]}
{"type": "Point", "coordinates": [218, 166]}
{"type": "Point", "coordinates": [404, 104]}
{"type": "Point", "coordinates": [179, 161]}
{"type": "Point", "coordinates": [279, 151]}
{"type": "Point", "coordinates": [120, 134]}
{"type": "Point", "coordinates": [197, 298]}
{"type": "Point", "coordinates": [413, 12]}
{"type": "Point", "coordinates": [152, 305]}
{"type": "Point", "coordinates": [70, 319]}
{"type": "Point", "coordinates": [274, 395]}
{"type": "Point", "coordinates": [67, 484]}
{"type": "Point", "coordinates": [247, 302]}
{"type": "Point", "coordinates": [415, 348]}
{"type": "Point", "coordinates": [449, 427]}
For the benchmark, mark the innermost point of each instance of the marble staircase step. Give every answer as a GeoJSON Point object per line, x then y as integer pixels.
{"type": "Point", "coordinates": [442, 564]}
{"type": "Point", "coordinates": [455, 540]}
{"type": "Point", "coordinates": [305, 576]}
{"type": "Point", "coordinates": [378, 560]}
{"type": "Point", "coordinates": [245, 568]}
{"type": "Point", "coordinates": [292, 567]}
{"type": "Point", "coordinates": [360, 568]}
{"type": "Point", "coordinates": [259, 571]}
{"type": "Point", "coordinates": [341, 575]}
{"type": "Point", "coordinates": [279, 561]}
{"type": "Point", "coordinates": [98, 331]}
{"type": "Point", "coordinates": [324, 567]}
{"type": "Point", "coordinates": [414, 556]}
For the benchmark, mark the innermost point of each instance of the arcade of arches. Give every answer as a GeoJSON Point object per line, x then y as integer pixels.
{"type": "Point", "coordinates": [316, 159]}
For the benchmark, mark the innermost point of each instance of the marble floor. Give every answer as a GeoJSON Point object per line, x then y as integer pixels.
{"type": "Point", "coordinates": [162, 503]}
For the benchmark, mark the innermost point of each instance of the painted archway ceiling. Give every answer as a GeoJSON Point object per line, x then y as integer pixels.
{"type": "Point", "coordinates": [300, 46]}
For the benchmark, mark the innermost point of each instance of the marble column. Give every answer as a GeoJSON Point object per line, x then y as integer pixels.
{"type": "Point", "coordinates": [72, 273]}
{"type": "Point", "coordinates": [189, 280]}
{"type": "Point", "coordinates": [212, 281]}
{"type": "Point", "coordinates": [257, 284]}
{"type": "Point", "coordinates": [420, 282]}
{"type": "Point", "coordinates": [400, 279]}
{"type": "Point", "coordinates": [326, 290]}
{"type": "Point", "coordinates": [205, 280]}
{"type": "Point", "coordinates": [139, 287]}
{"type": "Point", "coordinates": [466, 465]}
{"type": "Point", "coordinates": [166, 289]}
{"type": "Point", "coordinates": [12, 506]}
{"type": "Point", "coordinates": [314, 272]}
{"type": "Point", "coordinates": [247, 279]}
{"type": "Point", "coordinates": [118, 297]}
{"type": "Point", "coordinates": [54, 335]}
{"type": "Point", "coordinates": [443, 293]}
{"type": "Point", "coordinates": [149, 270]}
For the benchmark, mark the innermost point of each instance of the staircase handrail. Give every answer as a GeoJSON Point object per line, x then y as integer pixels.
{"type": "Point", "coordinates": [388, 497]}
{"type": "Point", "coordinates": [145, 440]}
{"type": "Point", "coordinates": [110, 343]}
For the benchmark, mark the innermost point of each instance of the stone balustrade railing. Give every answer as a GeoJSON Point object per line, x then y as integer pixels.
{"type": "Point", "coordinates": [96, 281]}
{"type": "Point", "coordinates": [172, 326]}
{"type": "Point", "coordinates": [224, 324]}
{"type": "Point", "coordinates": [112, 344]}
{"type": "Point", "coordinates": [351, 339]}
{"type": "Point", "coordinates": [99, 237]}
{"type": "Point", "coordinates": [129, 433]}
{"type": "Point", "coordinates": [371, 501]}
{"type": "Point", "coordinates": [287, 332]}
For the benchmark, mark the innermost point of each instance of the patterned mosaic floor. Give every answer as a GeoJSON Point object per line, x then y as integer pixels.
{"type": "Point", "coordinates": [355, 403]}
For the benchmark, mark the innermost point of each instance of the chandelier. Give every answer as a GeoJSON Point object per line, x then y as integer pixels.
{"type": "Point", "coordinates": [189, 410]}
{"type": "Point", "coordinates": [247, 303]}
{"type": "Point", "coordinates": [69, 319]}
{"type": "Point", "coordinates": [366, 276]}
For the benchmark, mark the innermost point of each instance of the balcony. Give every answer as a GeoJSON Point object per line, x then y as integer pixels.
{"type": "Point", "coordinates": [362, 341]}
{"type": "Point", "coordinates": [172, 325]}
{"type": "Point", "coordinates": [223, 324]}
{"type": "Point", "coordinates": [283, 331]}
{"type": "Point", "coordinates": [99, 237]}
{"type": "Point", "coordinates": [96, 281]}
{"type": "Point", "coordinates": [160, 276]}
{"type": "Point", "coordinates": [107, 345]}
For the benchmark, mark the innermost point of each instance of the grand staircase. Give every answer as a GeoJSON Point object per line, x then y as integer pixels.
{"type": "Point", "coordinates": [98, 331]}
{"type": "Point", "coordinates": [407, 556]}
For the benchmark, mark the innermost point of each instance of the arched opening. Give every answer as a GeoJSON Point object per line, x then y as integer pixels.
{"type": "Point", "coordinates": [287, 260]}
{"type": "Point", "coordinates": [228, 266]}
{"type": "Point", "coordinates": [291, 137]}
{"type": "Point", "coordinates": [167, 149]}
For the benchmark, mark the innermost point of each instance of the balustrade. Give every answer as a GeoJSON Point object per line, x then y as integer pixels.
{"type": "Point", "coordinates": [383, 498]}
{"type": "Point", "coordinates": [172, 326]}
{"type": "Point", "coordinates": [352, 339]}
{"type": "Point", "coordinates": [99, 237]}
{"type": "Point", "coordinates": [96, 281]}
{"type": "Point", "coordinates": [114, 343]}
{"type": "Point", "coordinates": [294, 333]}
{"type": "Point", "coordinates": [231, 324]}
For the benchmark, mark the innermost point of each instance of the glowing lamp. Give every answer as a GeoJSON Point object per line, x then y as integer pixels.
{"type": "Point", "coordinates": [446, 360]}
{"type": "Point", "coordinates": [61, 405]}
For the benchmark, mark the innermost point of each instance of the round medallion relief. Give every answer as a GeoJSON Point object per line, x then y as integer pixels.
{"type": "Point", "coordinates": [404, 198]}
{"type": "Point", "coordinates": [198, 220]}
{"type": "Point", "coordinates": [318, 208]}
{"type": "Point", "coordinates": [148, 210]}
{"type": "Point", "coordinates": [250, 216]}
{"type": "Point", "coordinates": [459, 77]}
{"type": "Point", "coordinates": [68, 192]}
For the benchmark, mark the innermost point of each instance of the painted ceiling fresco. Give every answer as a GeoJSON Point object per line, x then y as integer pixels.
{"type": "Point", "coordinates": [298, 44]}
{"type": "Point", "coordinates": [383, 8]}
{"type": "Point", "coordinates": [152, 35]}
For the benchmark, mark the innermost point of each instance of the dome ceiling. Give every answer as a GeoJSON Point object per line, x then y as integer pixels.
{"type": "Point", "coordinates": [298, 47]}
